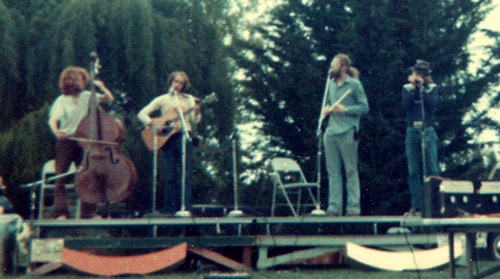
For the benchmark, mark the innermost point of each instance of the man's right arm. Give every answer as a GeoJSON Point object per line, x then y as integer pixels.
{"type": "Point", "coordinates": [143, 115]}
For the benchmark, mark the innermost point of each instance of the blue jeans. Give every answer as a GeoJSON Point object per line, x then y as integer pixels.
{"type": "Point", "coordinates": [172, 193]}
{"type": "Point", "coordinates": [413, 143]}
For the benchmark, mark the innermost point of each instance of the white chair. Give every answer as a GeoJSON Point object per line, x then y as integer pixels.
{"type": "Point", "coordinates": [47, 182]}
{"type": "Point", "coordinates": [291, 183]}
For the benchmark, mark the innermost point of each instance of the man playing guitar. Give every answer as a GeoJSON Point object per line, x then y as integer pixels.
{"type": "Point", "coordinates": [170, 138]}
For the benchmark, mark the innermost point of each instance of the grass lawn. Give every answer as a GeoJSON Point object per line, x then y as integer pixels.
{"type": "Point", "coordinates": [302, 273]}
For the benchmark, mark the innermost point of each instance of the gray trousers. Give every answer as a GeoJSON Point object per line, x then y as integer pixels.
{"type": "Point", "coordinates": [342, 150]}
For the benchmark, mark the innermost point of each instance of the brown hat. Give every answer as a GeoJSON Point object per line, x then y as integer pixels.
{"type": "Point", "coordinates": [422, 66]}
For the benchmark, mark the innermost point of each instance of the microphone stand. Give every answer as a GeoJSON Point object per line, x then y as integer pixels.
{"type": "Point", "coordinates": [156, 130]}
{"type": "Point", "coordinates": [185, 137]}
{"type": "Point", "coordinates": [235, 212]}
{"type": "Point", "coordinates": [318, 211]}
{"type": "Point", "coordinates": [426, 210]}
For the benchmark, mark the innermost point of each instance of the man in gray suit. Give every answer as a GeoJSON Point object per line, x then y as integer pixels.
{"type": "Point", "coordinates": [341, 135]}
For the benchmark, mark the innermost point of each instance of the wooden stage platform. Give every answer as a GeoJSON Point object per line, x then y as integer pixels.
{"type": "Point", "coordinates": [234, 243]}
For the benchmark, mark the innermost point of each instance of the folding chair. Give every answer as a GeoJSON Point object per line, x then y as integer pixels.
{"type": "Point", "coordinates": [290, 181]}
{"type": "Point", "coordinates": [47, 183]}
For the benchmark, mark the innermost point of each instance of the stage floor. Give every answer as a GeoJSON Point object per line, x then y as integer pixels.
{"type": "Point", "coordinates": [249, 226]}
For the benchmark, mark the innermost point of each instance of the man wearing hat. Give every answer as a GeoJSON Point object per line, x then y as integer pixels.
{"type": "Point", "coordinates": [419, 101]}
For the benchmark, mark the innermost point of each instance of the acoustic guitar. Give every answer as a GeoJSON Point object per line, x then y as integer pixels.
{"type": "Point", "coordinates": [167, 125]}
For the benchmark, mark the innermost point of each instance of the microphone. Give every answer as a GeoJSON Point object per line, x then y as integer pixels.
{"type": "Point", "coordinates": [93, 56]}
{"type": "Point", "coordinates": [172, 90]}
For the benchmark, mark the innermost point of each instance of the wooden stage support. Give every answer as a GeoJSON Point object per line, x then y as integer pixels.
{"type": "Point", "coordinates": [113, 265]}
{"type": "Point", "coordinates": [234, 243]}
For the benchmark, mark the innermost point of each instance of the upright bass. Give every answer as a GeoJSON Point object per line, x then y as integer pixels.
{"type": "Point", "coordinates": [106, 175]}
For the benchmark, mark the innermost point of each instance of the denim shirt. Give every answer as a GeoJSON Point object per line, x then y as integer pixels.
{"type": "Point", "coordinates": [355, 102]}
{"type": "Point", "coordinates": [411, 102]}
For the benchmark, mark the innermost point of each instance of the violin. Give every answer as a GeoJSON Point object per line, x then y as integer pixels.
{"type": "Point", "coordinates": [106, 175]}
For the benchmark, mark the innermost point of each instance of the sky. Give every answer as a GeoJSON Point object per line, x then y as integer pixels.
{"type": "Point", "coordinates": [490, 22]}
{"type": "Point", "coordinates": [476, 47]}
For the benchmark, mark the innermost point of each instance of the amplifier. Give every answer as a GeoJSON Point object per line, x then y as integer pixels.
{"type": "Point", "coordinates": [450, 197]}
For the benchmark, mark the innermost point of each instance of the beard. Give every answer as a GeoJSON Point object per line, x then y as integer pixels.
{"type": "Point", "coordinates": [335, 74]}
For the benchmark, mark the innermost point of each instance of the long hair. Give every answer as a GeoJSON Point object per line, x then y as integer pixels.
{"type": "Point", "coordinates": [73, 80]}
{"type": "Point", "coordinates": [428, 79]}
{"type": "Point", "coordinates": [187, 83]}
{"type": "Point", "coordinates": [347, 63]}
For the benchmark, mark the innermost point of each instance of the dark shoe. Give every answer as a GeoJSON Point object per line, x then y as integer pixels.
{"type": "Point", "coordinates": [413, 213]}
{"type": "Point", "coordinates": [331, 214]}
{"type": "Point", "coordinates": [350, 214]}
{"type": "Point", "coordinates": [61, 215]}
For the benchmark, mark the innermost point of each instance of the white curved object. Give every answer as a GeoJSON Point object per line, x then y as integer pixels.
{"type": "Point", "coordinates": [401, 261]}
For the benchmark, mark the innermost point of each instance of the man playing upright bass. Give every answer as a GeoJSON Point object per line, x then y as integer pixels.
{"type": "Point", "coordinates": [66, 113]}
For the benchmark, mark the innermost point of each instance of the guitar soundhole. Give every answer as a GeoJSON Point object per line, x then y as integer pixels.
{"type": "Point", "coordinates": [164, 131]}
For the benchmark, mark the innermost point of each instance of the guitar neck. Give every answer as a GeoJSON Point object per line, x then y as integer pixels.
{"type": "Point", "coordinates": [203, 102]}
